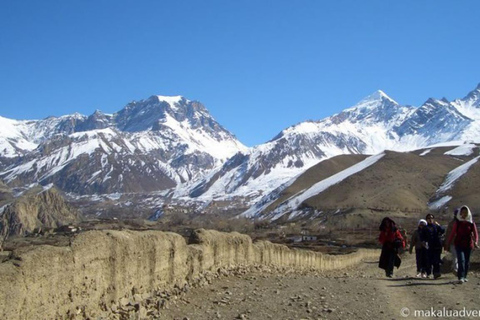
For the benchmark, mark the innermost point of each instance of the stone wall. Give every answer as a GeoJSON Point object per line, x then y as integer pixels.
{"type": "Point", "coordinates": [100, 268]}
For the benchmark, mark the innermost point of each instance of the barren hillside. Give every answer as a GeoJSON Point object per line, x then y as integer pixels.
{"type": "Point", "coordinates": [395, 183]}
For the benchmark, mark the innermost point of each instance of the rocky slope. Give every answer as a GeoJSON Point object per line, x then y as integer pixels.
{"type": "Point", "coordinates": [37, 208]}
{"type": "Point", "coordinates": [5, 193]}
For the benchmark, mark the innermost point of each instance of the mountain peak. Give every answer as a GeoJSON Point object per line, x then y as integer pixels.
{"type": "Point", "coordinates": [170, 99]}
{"type": "Point", "coordinates": [374, 100]}
{"type": "Point", "coordinates": [437, 103]}
{"type": "Point", "coordinates": [378, 95]}
{"type": "Point", "coordinates": [75, 115]}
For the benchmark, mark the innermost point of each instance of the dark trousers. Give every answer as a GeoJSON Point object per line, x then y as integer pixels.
{"type": "Point", "coordinates": [433, 261]}
{"type": "Point", "coordinates": [420, 255]}
{"type": "Point", "coordinates": [387, 259]}
{"type": "Point", "coordinates": [463, 256]}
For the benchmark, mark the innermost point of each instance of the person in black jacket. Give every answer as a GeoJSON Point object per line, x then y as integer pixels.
{"type": "Point", "coordinates": [430, 237]}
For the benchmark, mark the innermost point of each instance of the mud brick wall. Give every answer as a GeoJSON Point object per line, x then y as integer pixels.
{"type": "Point", "coordinates": [101, 267]}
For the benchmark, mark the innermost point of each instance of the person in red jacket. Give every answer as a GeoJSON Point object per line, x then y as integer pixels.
{"type": "Point", "coordinates": [392, 241]}
{"type": "Point", "coordinates": [465, 237]}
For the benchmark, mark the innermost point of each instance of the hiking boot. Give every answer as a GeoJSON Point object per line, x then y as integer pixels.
{"type": "Point", "coordinates": [419, 275]}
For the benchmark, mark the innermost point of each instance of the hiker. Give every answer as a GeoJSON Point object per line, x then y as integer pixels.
{"type": "Point", "coordinates": [431, 239]}
{"type": "Point", "coordinates": [465, 237]}
{"type": "Point", "coordinates": [451, 248]}
{"type": "Point", "coordinates": [420, 251]}
{"type": "Point", "coordinates": [392, 241]}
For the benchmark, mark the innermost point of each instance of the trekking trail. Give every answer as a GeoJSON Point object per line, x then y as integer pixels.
{"type": "Point", "coordinates": [360, 292]}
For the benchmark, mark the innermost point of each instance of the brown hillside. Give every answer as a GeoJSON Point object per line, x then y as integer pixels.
{"type": "Point", "coordinates": [318, 173]}
{"type": "Point", "coordinates": [398, 181]}
{"type": "Point", "coordinates": [439, 151]}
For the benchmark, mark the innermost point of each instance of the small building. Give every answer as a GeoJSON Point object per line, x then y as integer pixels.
{"type": "Point", "coordinates": [308, 238]}
{"type": "Point", "coordinates": [302, 238]}
{"type": "Point", "coordinates": [295, 239]}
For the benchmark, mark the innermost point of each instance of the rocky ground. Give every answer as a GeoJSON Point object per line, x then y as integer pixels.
{"type": "Point", "coordinates": [362, 292]}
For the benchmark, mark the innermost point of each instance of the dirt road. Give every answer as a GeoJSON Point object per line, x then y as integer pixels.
{"type": "Point", "coordinates": [356, 293]}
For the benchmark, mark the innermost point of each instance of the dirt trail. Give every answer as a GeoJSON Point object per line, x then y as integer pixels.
{"type": "Point", "coordinates": [356, 293]}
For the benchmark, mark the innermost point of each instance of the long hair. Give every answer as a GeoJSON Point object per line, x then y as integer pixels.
{"type": "Point", "coordinates": [383, 225]}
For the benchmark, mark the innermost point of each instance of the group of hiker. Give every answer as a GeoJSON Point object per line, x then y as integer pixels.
{"type": "Point", "coordinates": [429, 239]}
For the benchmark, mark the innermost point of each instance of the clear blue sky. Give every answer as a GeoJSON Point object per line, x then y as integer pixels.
{"type": "Point", "coordinates": [258, 66]}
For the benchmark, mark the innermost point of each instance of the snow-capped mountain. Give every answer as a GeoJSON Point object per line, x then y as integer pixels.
{"type": "Point", "coordinates": [17, 138]}
{"type": "Point", "coordinates": [149, 145]}
{"type": "Point", "coordinates": [171, 143]}
{"type": "Point", "coordinates": [375, 124]}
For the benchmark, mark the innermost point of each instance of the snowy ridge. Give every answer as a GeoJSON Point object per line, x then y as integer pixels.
{"type": "Point", "coordinates": [370, 103]}
{"type": "Point", "coordinates": [424, 153]}
{"type": "Point", "coordinates": [462, 150]}
{"type": "Point", "coordinates": [452, 177]}
{"type": "Point", "coordinates": [19, 137]}
{"type": "Point", "coordinates": [456, 174]}
{"type": "Point", "coordinates": [173, 144]}
{"type": "Point", "coordinates": [153, 142]}
{"type": "Point", "coordinates": [171, 100]}
{"type": "Point", "coordinates": [375, 124]}
{"type": "Point", "coordinates": [44, 167]}
{"type": "Point", "coordinates": [440, 202]}
{"type": "Point", "coordinates": [292, 203]}
{"type": "Point", "coordinates": [266, 200]}
{"type": "Point", "coordinates": [14, 138]}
